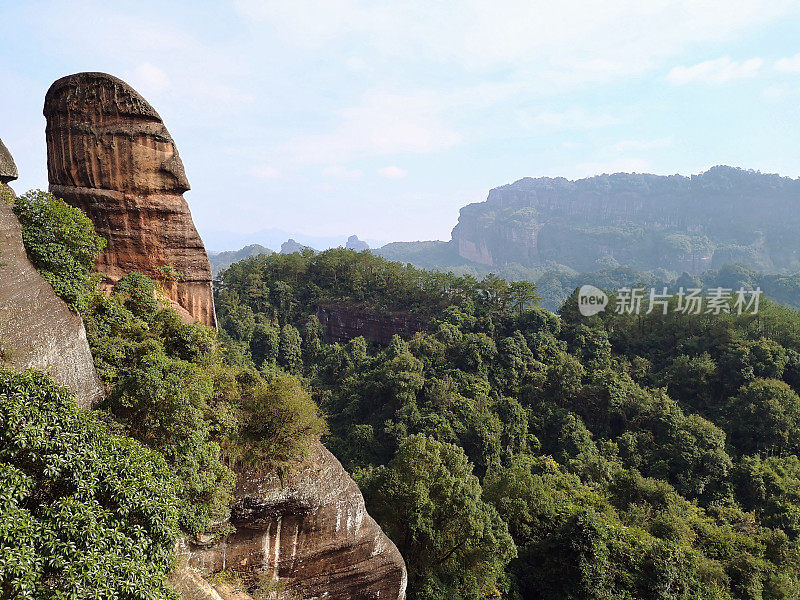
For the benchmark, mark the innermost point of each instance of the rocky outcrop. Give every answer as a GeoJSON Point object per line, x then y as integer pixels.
{"type": "Point", "coordinates": [341, 323]}
{"type": "Point", "coordinates": [306, 535]}
{"type": "Point", "coordinates": [637, 220]}
{"type": "Point", "coordinates": [109, 154]}
{"type": "Point", "coordinates": [353, 243]}
{"type": "Point", "coordinates": [290, 246]}
{"type": "Point", "coordinates": [37, 330]}
{"type": "Point", "coordinates": [8, 170]}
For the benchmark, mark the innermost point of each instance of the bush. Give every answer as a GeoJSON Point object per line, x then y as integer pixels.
{"type": "Point", "coordinates": [83, 513]}
{"type": "Point", "coordinates": [61, 243]}
{"type": "Point", "coordinates": [164, 403]}
{"type": "Point", "coordinates": [279, 422]}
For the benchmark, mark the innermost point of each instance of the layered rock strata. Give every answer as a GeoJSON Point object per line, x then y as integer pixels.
{"type": "Point", "coordinates": [109, 154]}
{"type": "Point", "coordinates": [309, 534]}
{"type": "Point", "coordinates": [341, 323]}
{"type": "Point", "coordinates": [37, 330]}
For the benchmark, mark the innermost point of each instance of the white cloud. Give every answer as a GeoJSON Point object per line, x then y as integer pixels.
{"type": "Point", "coordinates": [719, 70]}
{"type": "Point", "coordinates": [538, 38]}
{"type": "Point", "coordinates": [789, 64]}
{"type": "Point", "coordinates": [392, 172]}
{"type": "Point", "coordinates": [265, 172]}
{"type": "Point", "coordinates": [340, 172]}
{"type": "Point", "coordinates": [191, 73]}
{"type": "Point", "coordinates": [775, 93]}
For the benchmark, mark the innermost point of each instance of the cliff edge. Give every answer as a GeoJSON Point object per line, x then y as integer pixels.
{"type": "Point", "coordinates": [308, 533]}
{"type": "Point", "coordinates": [37, 330]}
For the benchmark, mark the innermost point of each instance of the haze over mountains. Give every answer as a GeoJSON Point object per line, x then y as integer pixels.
{"type": "Point", "coordinates": [725, 215]}
{"type": "Point", "coordinates": [667, 224]}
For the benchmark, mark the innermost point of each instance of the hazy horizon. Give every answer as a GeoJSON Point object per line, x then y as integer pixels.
{"type": "Point", "coordinates": [315, 119]}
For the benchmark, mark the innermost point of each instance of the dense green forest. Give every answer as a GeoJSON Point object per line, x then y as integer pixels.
{"type": "Point", "coordinates": [513, 452]}
{"type": "Point", "coordinates": [556, 286]}
{"type": "Point", "coordinates": [92, 503]}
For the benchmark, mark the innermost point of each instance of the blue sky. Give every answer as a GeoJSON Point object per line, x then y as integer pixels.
{"type": "Point", "coordinates": [384, 118]}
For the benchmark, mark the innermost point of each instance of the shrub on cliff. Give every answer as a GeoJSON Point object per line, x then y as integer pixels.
{"type": "Point", "coordinates": [61, 243]}
{"type": "Point", "coordinates": [279, 422]}
{"type": "Point", "coordinates": [83, 513]}
{"type": "Point", "coordinates": [164, 403]}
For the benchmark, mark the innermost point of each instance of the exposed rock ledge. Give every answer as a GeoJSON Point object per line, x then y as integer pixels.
{"type": "Point", "coordinates": [310, 533]}
{"type": "Point", "coordinates": [37, 330]}
{"type": "Point", "coordinates": [342, 322]}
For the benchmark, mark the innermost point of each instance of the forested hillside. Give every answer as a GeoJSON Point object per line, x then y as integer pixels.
{"type": "Point", "coordinates": [513, 452]}
{"type": "Point", "coordinates": [93, 503]}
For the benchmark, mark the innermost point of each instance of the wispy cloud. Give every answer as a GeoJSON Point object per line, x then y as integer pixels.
{"type": "Point", "coordinates": [621, 36]}
{"type": "Point", "coordinates": [382, 124]}
{"type": "Point", "coordinates": [265, 172]}
{"type": "Point", "coordinates": [719, 70]}
{"type": "Point", "coordinates": [149, 78]}
{"type": "Point", "coordinates": [789, 64]}
{"type": "Point", "coordinates": [392, 172]}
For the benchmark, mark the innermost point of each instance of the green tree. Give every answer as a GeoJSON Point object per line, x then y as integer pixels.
{"type": "Point", "coordinates": [138, 294]}
{"type": "Point", "coordinates": [61, 243]}
{"type": "Point", "coordinates": [431, 505]}
{"type": "Point", "coordinates": [765, 417]}
{"type": "Point", "coordinates": [164, 403]}
{"type": "Point", "coordinates": [280, 421]}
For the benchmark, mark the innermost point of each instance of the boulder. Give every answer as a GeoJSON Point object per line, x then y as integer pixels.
{"type": "Point", "coordinates": [308, 532]}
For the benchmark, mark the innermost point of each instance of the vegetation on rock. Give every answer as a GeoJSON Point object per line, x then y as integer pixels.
{"type": "Point", "coordinates": [193, 415]}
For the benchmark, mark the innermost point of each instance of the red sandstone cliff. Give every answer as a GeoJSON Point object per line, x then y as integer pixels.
{"type": "Point", "coordinates": [37, 330]}
{"type": "Point", "coordinates": [109, 154]}
{"type": "Point", "coordinates": [342, 322]}
{"type": "Point", "coordinates": [309, 533]}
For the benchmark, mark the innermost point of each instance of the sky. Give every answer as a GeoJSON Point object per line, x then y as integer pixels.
{"type": "Point", "coordinates": [383, 118]}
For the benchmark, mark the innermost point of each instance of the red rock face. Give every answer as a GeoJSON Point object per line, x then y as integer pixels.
{"type": "Point", "coordinates": [37, 330]}
{"type": "Point", "coordinates": [309, 533]}
{"type": "Point", "coordinates": [109, 154]}
{"type": "Point", "coordinates": [341, 323]}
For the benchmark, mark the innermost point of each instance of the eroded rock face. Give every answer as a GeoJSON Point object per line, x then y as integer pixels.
{"type": "Point", "coordinates": [643, 221]}
{"type": "Point", "coordinates": [341, 323]}
{"type": "Point", "coordinates": [109, 154]}
{"type": "Point", "coordinates": [37, 330]}
{"type": "Point", "coordinates": [309, 533]}
{"type": "Point", "coordinates": [8, 170]}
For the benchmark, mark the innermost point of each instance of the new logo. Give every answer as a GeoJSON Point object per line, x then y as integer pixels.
{"type": "Point", "coordinates": [591, 300]}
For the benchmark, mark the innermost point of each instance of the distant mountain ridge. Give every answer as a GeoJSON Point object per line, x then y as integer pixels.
{"type": "Point", "coordinates": [724, 215]}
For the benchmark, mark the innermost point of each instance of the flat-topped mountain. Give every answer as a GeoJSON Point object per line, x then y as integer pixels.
{"type": "Point", "coordinates": [724, 215]}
